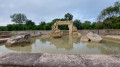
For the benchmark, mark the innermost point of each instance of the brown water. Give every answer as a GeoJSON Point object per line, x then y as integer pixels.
{"type": "Point", "coordinates": [64, 45]}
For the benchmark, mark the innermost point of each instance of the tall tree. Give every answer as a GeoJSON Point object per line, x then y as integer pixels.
{"type": "Point", "coordinates": [68, 16]}
{"type": "Point", "coordinates": [99, 25]}
{"type": "Point", "coordinates": [94, 25]}
{"type": "Point", "coordinates": [110, 11]}
{"type": "Point", "coordinates": [117, 3]}
{"type": "Point", "coordinates": [77, 23]}
{"type": "Point", "coordinates": [30, 22]}
{"type": "Point", "coordinates": [42, 25]}
{"type": "Point", "coordinates": [19, 18]}
{"type": "Point", "coordinates": [86, 25]}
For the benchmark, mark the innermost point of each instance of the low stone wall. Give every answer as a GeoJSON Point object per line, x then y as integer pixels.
{"type": "Point", "coordinates": [112, 37]}
{"type": "Point", "coordinates": [22, 32]}
{"type": "Point", "coordinates": [57, 60]}
{"type": "Point", "coordinates": [102, 32]}
{"type": "Point", "coordinates": [83, 32]}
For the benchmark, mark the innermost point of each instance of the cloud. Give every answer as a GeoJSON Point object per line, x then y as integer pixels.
{"type": "Point", "coordinates": [46, 10]}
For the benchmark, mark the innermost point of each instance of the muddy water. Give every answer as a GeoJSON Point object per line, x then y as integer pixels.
{"type": "Point", "coordinates": [64, 45]}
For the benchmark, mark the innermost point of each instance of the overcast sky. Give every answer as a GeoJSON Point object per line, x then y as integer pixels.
{"type": "Point", "coordinates": [47, 10]}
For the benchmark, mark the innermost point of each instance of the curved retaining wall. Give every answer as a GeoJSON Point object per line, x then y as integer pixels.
{"type": "Point", "coordinates": [100, 32]}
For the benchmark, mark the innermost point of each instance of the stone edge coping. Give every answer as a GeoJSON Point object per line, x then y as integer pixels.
{"type": "Point", "coordinates": [56, 60]}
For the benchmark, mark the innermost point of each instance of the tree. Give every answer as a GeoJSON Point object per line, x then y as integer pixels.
{"type": "Point", "coordinates": [3, 28]}
{"type": "Point", "coordinates": [77, 23]}
{"type": "Point", "coordinates": [30, 22]}
{"type": "Point", "coordinates": [54, 20]}
{"type": "Point", "coordinates": [47, 26]}
{"type": "Point", "coordinates": [116, 26]}
{"type": "Point", "coordinates": [19, 18]}
{"type": "Point", "coordinates": [68, 16]}
{"type": "Point", "coordinates": [94, 25]}
{"type": "Point", "coordinates": [99, 25]}
{"type": "Point", "coordinates": [42, 25]}
{"type": "Point", "coordinates": [116, 4]}
{"type": "Point", "coordinates": [86, 25]}
{"type": "Point", "coordinates": [110, 11]}
{"type": "Point", "coordinates": [110, 17]}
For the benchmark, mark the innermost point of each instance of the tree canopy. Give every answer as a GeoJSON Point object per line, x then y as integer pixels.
{"type": "Point", "coordinates": [110, 11]}
{"type": "Point", "coordinates": [68, 16]}
{"type": "Point", "coordinates": [19, 18]}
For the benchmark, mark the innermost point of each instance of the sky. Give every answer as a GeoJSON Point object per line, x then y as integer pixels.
{"type": "Point", "coordinates": [47, 10]}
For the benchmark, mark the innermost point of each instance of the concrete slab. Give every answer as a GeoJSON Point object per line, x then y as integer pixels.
{"type": "Point", "coordinates": [54, 60]}
{"type": "Point", "coordinates": [113, 37]}
{"type": "Point", "coordinates": [19, 59]}
{"type": "Point", "coordinates": [50, 60]}
{"type": "Point", "coordinates": [2, 54]}
{"type": "Point", "coordinates": [58, 60]}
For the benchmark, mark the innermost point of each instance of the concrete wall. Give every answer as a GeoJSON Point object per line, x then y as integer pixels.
{"type": "Point", "coordinates": [83, 32]}
{"type": "Point", "coordinates": [22, 32]}
{"type": "Point", "coordinates": [102, 32]}
{"type": "Point", "coordinates": [57, 60]}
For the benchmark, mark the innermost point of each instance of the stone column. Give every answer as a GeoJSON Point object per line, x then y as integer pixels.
{"type": "Point", "coordinates": [70, 29]}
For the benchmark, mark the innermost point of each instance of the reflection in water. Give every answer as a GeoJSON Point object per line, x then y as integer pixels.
{"type": "Point", "coordinates": [110, 48]}
{"type": "Point", "coordinates": [65, 45]}
{"type": "Point", "coordinates": [93, 45]}
{"type": "Point", "coordinates": [21, 48]}
{"type": "Point", "coordinates": [64, 42]}
{"type": "Point", "coordinates": [106, 47]}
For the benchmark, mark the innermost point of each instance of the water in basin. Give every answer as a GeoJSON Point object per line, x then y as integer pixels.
{"type": "Point", "coordinates": [65, 45]}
